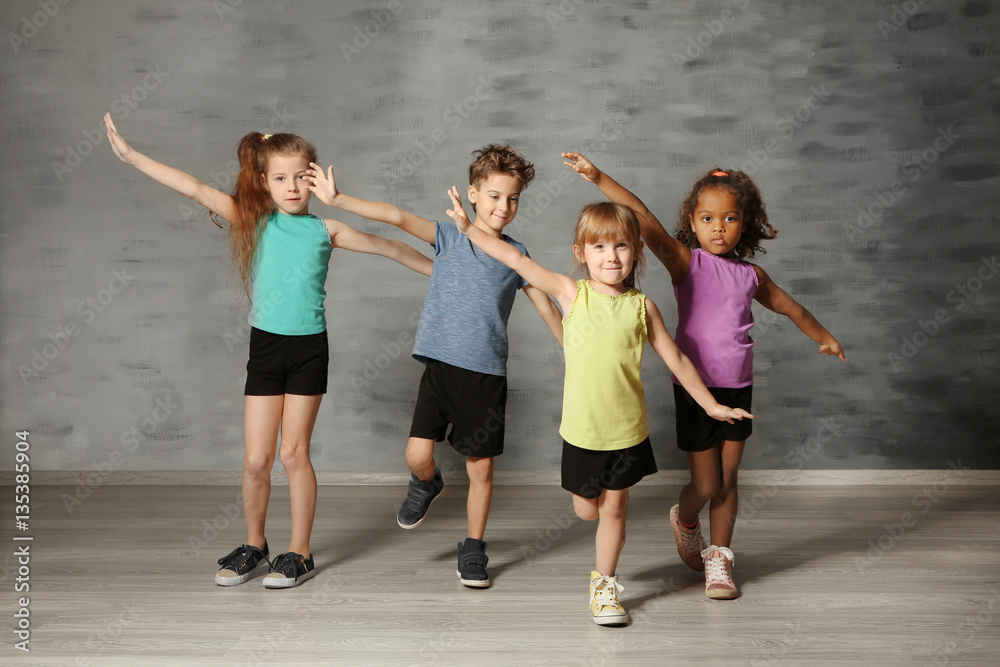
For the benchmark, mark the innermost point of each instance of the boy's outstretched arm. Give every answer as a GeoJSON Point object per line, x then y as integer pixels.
{"type": "Point", "coordinates": [323, 185]}
{"type": "Point", "coordinates": [346, 237]}
{"type": "Point", "coordinates": [562, 288]}
{"type": "Point", "coordinates": [218, 202]}
{"type": "Point", "coordinates": [547, 308]}
{"type": "Point", "coordinates": [681, 366]}
{"type": "Point", "coordinates": [672, 253]}
{"type": "Point", "coordinates": [774, 298]}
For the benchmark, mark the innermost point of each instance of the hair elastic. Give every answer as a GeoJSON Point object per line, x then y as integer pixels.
{"type": "Point", "coordinates": [265, 137]}
{"type": "Point", "coordinates": [718, 172]}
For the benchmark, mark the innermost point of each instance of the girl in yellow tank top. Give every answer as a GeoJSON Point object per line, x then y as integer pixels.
{"type": "Point", "coordinates": [606, 323]}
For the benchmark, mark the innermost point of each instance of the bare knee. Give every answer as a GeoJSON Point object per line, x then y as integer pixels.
{"type": "Point", "coordinates": [585, 508]}
{"type": "Point", "coordinates": [294, 454]}
{"type": "Point", "coordinates": [480, 469]}
{"type": "Point", "coordinates": [258, 465]}
{"type": "Point", "coordinates": [707, 489]}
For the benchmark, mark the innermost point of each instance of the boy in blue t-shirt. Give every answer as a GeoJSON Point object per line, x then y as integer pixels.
{"type": "Point", "coordinates": [461, 340]}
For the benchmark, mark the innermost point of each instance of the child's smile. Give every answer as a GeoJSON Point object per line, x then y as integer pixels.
{"type": "Point", "coordinates": [609, 263]}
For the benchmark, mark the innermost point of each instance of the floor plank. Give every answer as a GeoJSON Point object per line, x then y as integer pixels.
{"type": "Point", "coordinates": [845, 575]}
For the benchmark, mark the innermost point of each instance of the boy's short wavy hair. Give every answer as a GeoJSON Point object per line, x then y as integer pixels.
{"type": "Point", "coordinates": [499, 159]}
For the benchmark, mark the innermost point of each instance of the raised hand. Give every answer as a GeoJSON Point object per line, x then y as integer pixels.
{"type": "Point", "coordinates": [321, 183]}
{"type": "Point", "coordinates": [457, 213]}
{"type": "Point", "coordinates": [118, 145]}
{"type": "Point", "coordinates": [583, 166]}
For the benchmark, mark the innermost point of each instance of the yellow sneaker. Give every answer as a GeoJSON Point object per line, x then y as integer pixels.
{"type": "Point", "coordinates": [604, 604]}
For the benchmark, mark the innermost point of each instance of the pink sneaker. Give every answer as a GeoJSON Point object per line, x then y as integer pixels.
{"type": "Point", "coordinates": [690, 543]}
{"type": "Point", "coordinates": [719, 573]}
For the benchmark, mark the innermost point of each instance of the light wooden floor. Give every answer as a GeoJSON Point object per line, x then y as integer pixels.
{"type": "Point", "coordinates": [830, 576]}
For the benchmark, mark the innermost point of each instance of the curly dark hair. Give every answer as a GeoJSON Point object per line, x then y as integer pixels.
{"type": "Point", "coordinates": [756, 227]}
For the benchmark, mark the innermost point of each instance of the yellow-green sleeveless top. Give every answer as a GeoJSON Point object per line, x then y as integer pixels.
{"type": "Point", "coordinates": [604, 406]}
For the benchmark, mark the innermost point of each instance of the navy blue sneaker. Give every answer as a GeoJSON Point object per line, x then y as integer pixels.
{"type": "Point", "coordinates": [419, 496]}
{"type": "Point", "coordinates": [472, 560]}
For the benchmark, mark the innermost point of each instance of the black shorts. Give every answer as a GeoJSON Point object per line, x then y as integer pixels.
{"type": "Point", "coordinates": [473, 403]}
{"type": "Point", "coordinates": [586, 472]}
{"type": "Point", "coordinates": [287, 364]}
{"type": "Point", "coordinates": [696, 431]}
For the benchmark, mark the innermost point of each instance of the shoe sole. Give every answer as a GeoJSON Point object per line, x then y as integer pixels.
{"type": "Point", "coordinates": [473, 583]}
{"type": "Point", "coordinates": [699, 564]}
{"type": "Point", "coordinates": [411, 526]}
{"type": "Point", "coordinates": [722, 594]}
{"type": "Point", "coordinates": [238, 579]}
{"type": "Point", "coordinates": [275, 582]}
{"type": "Point", "coordinates": [611, 620]}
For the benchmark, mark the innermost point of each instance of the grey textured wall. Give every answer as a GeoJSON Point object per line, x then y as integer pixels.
{"type": "Point", "coordinates": [870, 127]}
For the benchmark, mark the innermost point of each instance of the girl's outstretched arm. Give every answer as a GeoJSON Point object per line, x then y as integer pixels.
{"type": "Point", "coordinates": [681, 366]}
{"type": "Point", "coordinates": [774, 298]}
{"type": "Point", "coordinates": [672, 253]}
{"type": "Point", "coordinates": [218, 202]}
{"type": "Point", "coordinates": [348, 238]}
{"type": "Point", "coordinates": [562, 288]}
{"type": "Point", "coordinates": [323, 185]}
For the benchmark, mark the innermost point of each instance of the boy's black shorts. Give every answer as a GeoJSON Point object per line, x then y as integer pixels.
{"type": "Point", "coordinates": [473, 403]}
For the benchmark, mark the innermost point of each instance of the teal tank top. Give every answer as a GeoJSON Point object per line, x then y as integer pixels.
{"type": "Point", "coordinates": [289, 275]}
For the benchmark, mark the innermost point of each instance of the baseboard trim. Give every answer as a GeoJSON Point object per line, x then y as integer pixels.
{"type": "Point", "coordinates": [96, 478]}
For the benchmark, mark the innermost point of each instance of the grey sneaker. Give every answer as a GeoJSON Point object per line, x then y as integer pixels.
{"type": "Point", "coordinates": [472, 560]}
{"type": "Point", "coordinates": [419, 496]}
{"type": "Point", "coordinates": [238, 565]}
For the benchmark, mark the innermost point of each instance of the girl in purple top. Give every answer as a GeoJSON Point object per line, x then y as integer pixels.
{"type": "Point", "coordinates": [721, 224]}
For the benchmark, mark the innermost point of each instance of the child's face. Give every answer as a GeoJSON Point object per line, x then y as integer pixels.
{"type": "Point", "coordinates": [717, 221]}
{"type": "Point", "coordinates": [496, 201]}
{"type": "Point", "coordinates": [609, 261]}
{"type": "Point", "coordinates": [285, 180]}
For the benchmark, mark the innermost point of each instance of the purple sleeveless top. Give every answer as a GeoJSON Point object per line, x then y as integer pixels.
{"type": "Point", "coordinates": [714, 319]}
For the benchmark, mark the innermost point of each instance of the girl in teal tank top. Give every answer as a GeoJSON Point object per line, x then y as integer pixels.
{"type": "Point", "coordinates": [282, 253]}
{"type": "Point", "coordinates": [606, 323]}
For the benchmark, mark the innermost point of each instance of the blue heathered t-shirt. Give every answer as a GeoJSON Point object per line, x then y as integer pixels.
{"type": "Point", "coordinates": [464, 321]}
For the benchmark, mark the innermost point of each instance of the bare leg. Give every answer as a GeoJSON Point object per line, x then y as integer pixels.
{"type": "Point", "coordinates": [298, 419]}
{"type": "Point", "coordinates": [611, 509]}
{"type": "Point", "coordinates": [725, 503]}
{"type": "Point", "coordinates": [480, 494]}
{"type": "Point", "coordinates": [261, 419]}
{"type": "Point", "coordinates": [704, 485]}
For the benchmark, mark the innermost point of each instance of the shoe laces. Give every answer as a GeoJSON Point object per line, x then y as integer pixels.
{"type": "Point", "coordinates": [605, 591]}
{"type": "Point", "coordinates": [287, 564]}
{"type": "Point", "coordinates": [240, 555]}
{"type": "Point", "coordinates": [715, 568]}
{"type": "Point", "coordinates": [692, 539]}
